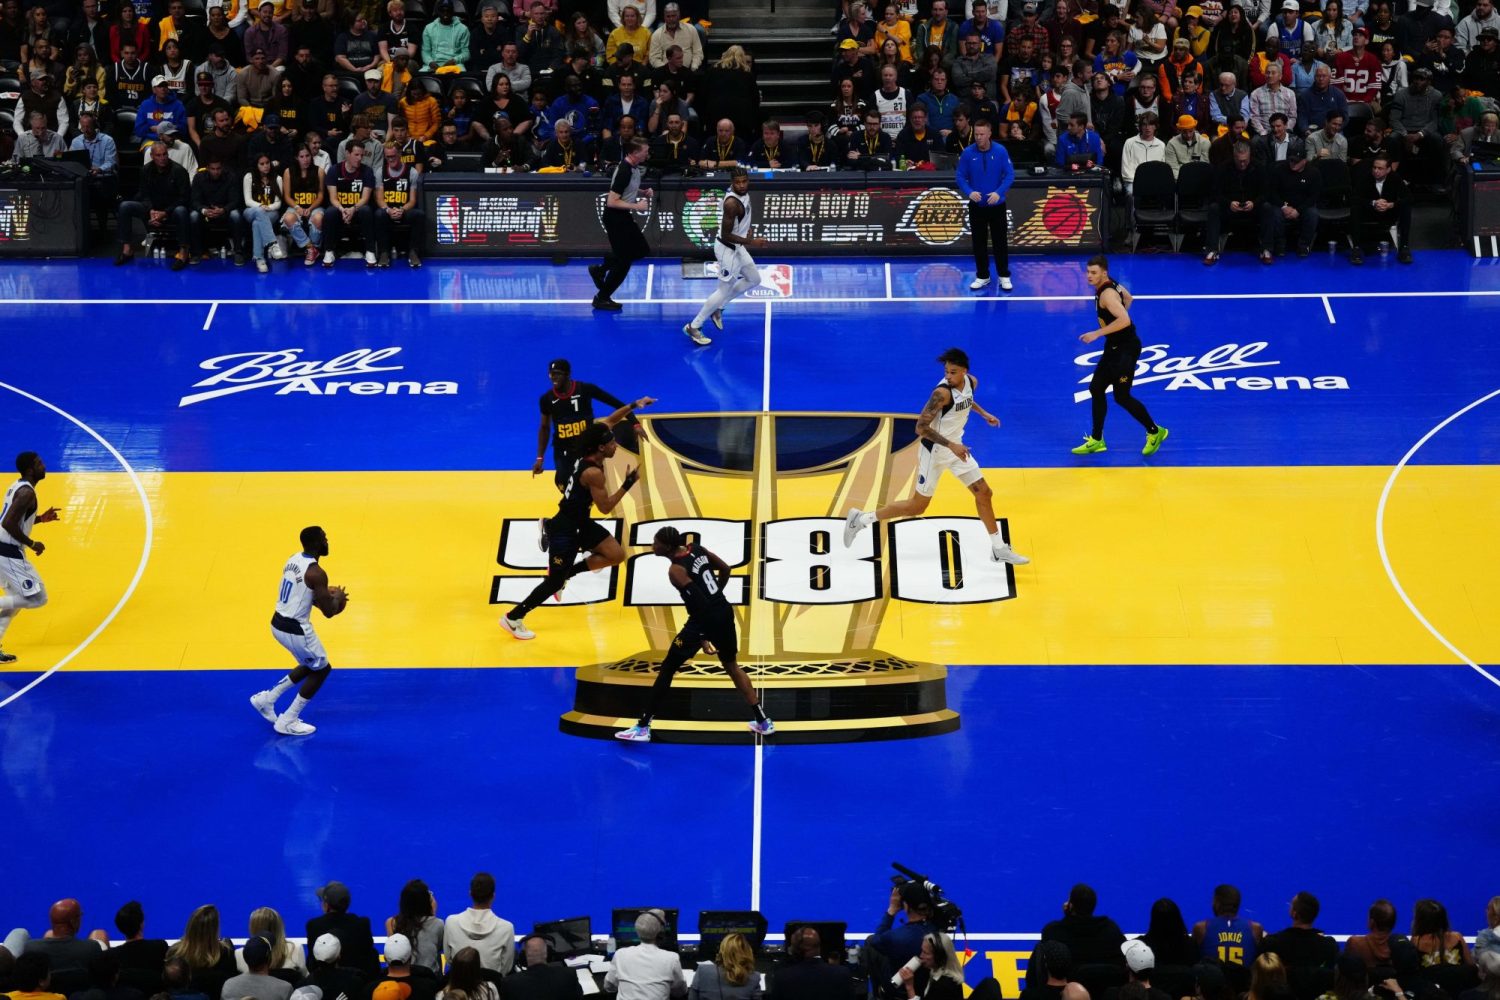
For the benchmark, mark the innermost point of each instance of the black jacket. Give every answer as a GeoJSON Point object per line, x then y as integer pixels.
{"type": "Point", "coordinates": [1092, 940]}
{"type": "Point", "coordinates": [553, 981]}
{"type": "Point", "coordinates": [1233, 184]}
{"type": "Point", "coordinates": [357, 949]}
{"type": "Point", "coordinates": [226, 192]}
{"type": "Point", "coordinates": [813, 979]}
{"type": "Point", "coordinates": [1297, 188]}
{"type": "Point", "coordinates": [164, 190]}
{"type": "Point", "coordinates": [1395, 190]}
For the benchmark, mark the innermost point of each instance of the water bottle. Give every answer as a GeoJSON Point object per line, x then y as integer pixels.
{"type": "Point", "coordinates": [1333, 246]}
{"type": "Point", "coordinates": [1385, 247]}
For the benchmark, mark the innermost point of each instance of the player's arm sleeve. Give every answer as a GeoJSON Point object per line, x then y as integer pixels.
{"type": "Point", "coordinates": [598, 393]}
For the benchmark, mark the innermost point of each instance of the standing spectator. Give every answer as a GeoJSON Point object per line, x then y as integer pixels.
{"type": "Point", "coordinates": [162, 106]}
{"type": "Point", "coordinates": [1357, 71]}
{"type": "Point", "coordinates": [480, 928]}
{"type": "Point", "coordinates": [938, 32]}
{"type": "Point", "coordinates": [269, 34]}
{"type": "Point", "coordinates": [358, 49]}
{"type": "Point", "coordinates": [729, 90]}
{"type": "Point", "coordinates": [264, 921]}
{"type": "Point", "coordinates": [209, 958]}
{"type": "Point", "coordinates": [1271, 99]}
{"type": "Point", "coordinates": [1143, 147]}
{"type": "Point", "coordinates": [257, 983]}
{"type": "Point", "coordinates": [1483, 16]}
{"type": "Point", "coordinates": [445, 42]}
{"type": "Point", "coordinates": [350, 188]}
{"type": "Point", "coordinates": [1329, 142]}
{"type": "Point", "coordinates": [645, 971]}
{"type": "Point", "coordinates": [1291, 203]}
{"type": "Point", "coordinates": [1187, 146]}
{"type": "Point", "coordinates": [304, 193]}
{"type": "Point", "coordinates": [1238, 189]}
{"type": "Point", "coordinates": [416, 917]}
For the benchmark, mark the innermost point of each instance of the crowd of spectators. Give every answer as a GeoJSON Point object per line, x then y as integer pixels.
{"type": "Point", "coordinates": [1401, 92]}
{"type": "Point", "coordinates": [474, 955]}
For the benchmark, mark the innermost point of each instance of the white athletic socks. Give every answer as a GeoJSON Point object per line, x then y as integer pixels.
{"type": "Point", "coordinates": [294, 710]}
{"type": "Point", "coordinates": [281, 688]}
{"type": "Point", "coordinates": [867, 519]}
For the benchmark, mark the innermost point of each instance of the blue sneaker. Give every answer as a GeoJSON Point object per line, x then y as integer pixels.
{"type": "Point", "coordinates": [635, 734]}
{"type": "Point", "coordinates": [767, 728]}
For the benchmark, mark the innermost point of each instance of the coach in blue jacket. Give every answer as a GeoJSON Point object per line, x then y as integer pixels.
{"type": "Point", "coordinates": [984, 177]}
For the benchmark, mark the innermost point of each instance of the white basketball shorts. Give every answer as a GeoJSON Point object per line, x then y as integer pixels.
{"type": "Point", "coordinates": [934, 460]}
{"type": "Point", "coordinates": [735, 263]}
{"type": "Point", "coordinates": [19, 579]}
{"type": "Point", "coordinates": [306, 649]}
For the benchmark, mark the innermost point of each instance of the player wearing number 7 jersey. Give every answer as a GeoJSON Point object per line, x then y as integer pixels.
{"type": "Point", "coordinates": [699, 576]}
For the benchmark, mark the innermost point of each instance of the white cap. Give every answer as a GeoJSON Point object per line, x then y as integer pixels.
{"type": "Point", "coordinates": [398, 948]}
{"type": "Point", "coordinates": [158, 81]}
{"type": "Point", "coordinates": [373, 74]}
{"type": "Point", "coordinates": [1138, 953]}
{"type": "Point", "coordinates": [307, 993]}
{"type": "Point", "coordinates": [1291, 5]}
{"type": "Point", "coordinates": [326, 948]}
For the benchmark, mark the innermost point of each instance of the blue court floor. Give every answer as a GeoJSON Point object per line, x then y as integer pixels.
{"type": "Point", "coordinates": [1353, 777]}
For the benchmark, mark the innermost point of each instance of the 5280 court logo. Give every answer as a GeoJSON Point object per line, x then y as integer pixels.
{"type": "Point", "coordinates": [795, 561]}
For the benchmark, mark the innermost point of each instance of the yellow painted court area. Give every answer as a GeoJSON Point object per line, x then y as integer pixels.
{"type": "Point", "coordinates": [1130, 566]}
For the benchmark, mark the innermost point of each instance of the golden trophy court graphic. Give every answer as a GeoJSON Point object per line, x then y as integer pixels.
{"type": "Point", "coordinates": [768, 493]}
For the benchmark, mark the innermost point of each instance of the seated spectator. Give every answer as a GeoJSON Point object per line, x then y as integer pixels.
{"type": "Point", "coordinates": [940, 976]}
{"type": "Point", "coordinates": [33, 978]}
{"type": "Point", "coordinates": [1443, 59]}
{"type": "Point", "coordinates": [1227, 937]}
{"type": "Point", "coordinates": [466, 979]}
{"type": "Point", "coordinates": [1048, 972]}
{"type": "Point", "coordinates": [66, 951]}
{"type": "Point", "coordinates": [413, 982]}
{"type": "Point", "coordinates": [1271, 99]}
{"type": "Point", "coordinates": [566, 151]}
{"type": "Point", "coordinates": [1187, 146]}
{"type": "Point", "coordinates": [421, 111]}
{"type": "Point", "coordinates": [141, 958]}
{"type": "Point", "coordinates": [857, 28]}
{"type": "Point", "coordinates": [1374, 948]}
{"type": "Point", "coordinates": [1488, 938]}
{"type": "Point", "coordinates": [1305, 70]}
{"type": "Point", "coordinates": [730, 975]}
{"type": "Point", "coordinates": [1271, 149]}
{"type": "Point", "coordinates": [915, 142]}
{"type": "Point", "coordinates": [416, 917]}
{"type": "Point", "coordinates": [38, 140]}
{"type": "Point", "coordinates": [894, 28]}
{"type": "Point", "coordinates": [505, 103]}
{"type": "Point", "coordinates": [372, 101]}
{"type": "Point", "coordinates": [1411, 980]}
{"type": "Point", "coordinates": [817, 152]}
{"type": "Point", "coordinates": [1140, 963]}
{"type": "Point", "coordinates": [357, 50]}
{"type": "Point", "coordinates": [271, 140]}
{"type": "Point", "coordinates": [1489, 976]}
{"type": "Point", "coordinates": [771, 151]}
{"type": "Point", "coordinates": [288, 109]}
{"type": "Point", "coordinates": [1238, 189]}
{"type": "Point", "coordinates": [539, 979]}
{"type": "Point", "coordinates": [1091, 939]}
{"type": "Point", "coordinates": [348, 189]}
{"type": "Point", "coordinates": [200, 110]}
{"type": "Point", "coordinates": [631, 30]}
{"type": "Point", "coordinates": [1179, 63]}
{"type": "Point", "coordinates": [852, 65]}
{"type": "Point", "coordinates": [1484, 134]}
{"type": "Point", "coordinates": [1351, 979]}
{"type": "Point", "coordinates": [1328, 143]}
{"type": "Point", "coordinates": [1393, 75]}
{"type": "Point", "coordinates": [264, 921]}
{"type": "Point", "coordinates": [257, 983]}
{"type": "Point", "coordinates": [725, 150]}
{"type": "Point", "coordinates": [222, 64]}
{"type": "Point", "coordinates": [396, 75]}
{"type": "Point", "coordinates": [478, 927]}
{"type": "Point", "coordinates": [1315, 104]}
{"type": "Point", "coordinates": [1116, 63]}
{"type": "Point", "coordinates": [208, 956]}
{"type": "Point", "coordinates": [1191, 101]}
{"type": "Point", "coordinates": [674, 32]}
{"type": "Point", "coordinates": [176, 975]}
{"type": "Point", "coordinates": [1080, 140]}
{"type": "Point", "coordinates": [1018, 129]}
{"type": "Point", "coordinates": [573, 106]}
{"type": "Point", "coordinates": [161, 203]}
{"type": "Point", "coordinates": [1267, 979]}
{"type": "Point", "coordinates": [647, 971]}
{"type": "Point", "coordinates": [1022, 65]}
{"type": "Point", "coordinates": [1482, 65]}
{"type": "Point", "coordinates": [445, 42]}
{"type": "Point", "coordinates": [506, 150]}
{"type": "Point", "coordinates": [1302, 946]}
{"type": "Point", "coordinates": [962, 135]}
{"type": "Point", "coordinates": [868, 149]}
{"type": "Point", "coordinates": [1374, 138]}
{"type": "Point", "coordinates": [1262, 61]}
{"type": "Point", "coordinates": [939, 102]}
{"type": "Point", "coordinates": [1415, 115]}
{"type": "Point", "coordinates": [539, 44]}
{"type": "Point", "coordinates": [1291, 203]}
{"type": "Point", "coordinates": [1166, 933]}
{"type": "Point", "coordinates": [626, 101]}
{"type": "Point", "coordinates": [104, 980]}
{"type": "Point", "coordinates": [1356, 72]}
{"type": "Point", "coordinates": [1438, 943]}
{"type": "Point", "coordinates": [91, 99]}
{"type": "Point", "coordinates": [218, 207]}
{"type": "Point", "coordinates": [178, 151]}
{"type": "Point", "coordinates": [487, 40]}
{"type": "Point", "coordinates": [325, 978]}
{"type": "Point", "coordinates": [1228, 100]}
{"type": "Point", "coordinates": [677, 72]}
{"type": "Point", "coordinates": [1143, 147]}
{"type": "Point", "coordinates": [807, 975]}
{"type": "Point", "coordinates": [262, 200]}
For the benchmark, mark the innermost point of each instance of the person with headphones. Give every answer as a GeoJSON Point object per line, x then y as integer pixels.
{"type": "Point", "coordinates": [644, 971]}
{"type": "Point", "coordinates": [891, 946]}
{"type": "Point", "coordinates": [940, 976]}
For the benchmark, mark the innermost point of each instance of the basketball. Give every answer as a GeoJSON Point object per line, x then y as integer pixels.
{"type": "Point", "coordinates": [1064, 216]}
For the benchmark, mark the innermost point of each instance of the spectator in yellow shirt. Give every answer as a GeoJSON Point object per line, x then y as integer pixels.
{"type": "Point", "coordinates": [891, 26]}
{"type": "Point", "coordinates": [421, 112]}
{"type": "Point", "coordinates": [630, 30]}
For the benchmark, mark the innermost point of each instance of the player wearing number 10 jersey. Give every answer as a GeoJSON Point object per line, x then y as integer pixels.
{"type": "Point", "coordinates": [699, 576]}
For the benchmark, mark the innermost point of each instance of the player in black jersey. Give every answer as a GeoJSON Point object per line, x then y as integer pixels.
{"type": "Point", "coordinates": [1116, 365]}
{"type": "Point", "coordinates": [699, 576]}
{"type": "Point", "coordinates": [573, 528]}
{"type": "Point", "coordinates": [567, 409]}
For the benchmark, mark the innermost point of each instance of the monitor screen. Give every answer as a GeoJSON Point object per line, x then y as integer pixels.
{"type": "Point", "coordinates": [566, 938]}
{"type": "Point", "coordinates": [831, 933]}
{"type": "Point", "coordinates": [715, 925]}
{"type": "Point", "coordinates": [622, 926]}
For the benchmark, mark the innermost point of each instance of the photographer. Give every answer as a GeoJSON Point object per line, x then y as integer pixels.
{"type": "Point", "coordinates": [891, 946]}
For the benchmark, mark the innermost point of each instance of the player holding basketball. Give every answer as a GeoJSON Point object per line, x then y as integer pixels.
{"type": "Point", "coordinates": [941, 428]}
{"type": "Point", "coordinates": [23, 587]}
{"type": "Point", "coordinates": [700, 577]}
{"type": "Point", "coordinates": [1116, 366]}
{"type": "Point", "coordinates": [573, 528]}
{"type": "Point", "coordinates": [737, 271]}
{"type": "Point", "coordinates": [304, 586]}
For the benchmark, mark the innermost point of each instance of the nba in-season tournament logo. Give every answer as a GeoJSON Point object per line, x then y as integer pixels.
{"type": "Point", "coordinates": [768, 493]}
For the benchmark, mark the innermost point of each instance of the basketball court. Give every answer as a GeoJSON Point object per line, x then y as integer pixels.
{"type": "Point", "coordinates": [1264, 655]}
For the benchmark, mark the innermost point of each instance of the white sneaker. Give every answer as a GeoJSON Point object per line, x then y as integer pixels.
{"type": "Point", "coordinates": [262, 265]}
{"type": "Point", "coordinates": [1004, 553]}
{"type": "Point", "coordinates": [717, 319]}
{"type": "Point", "coordinates": [295, 727]}
{"type": "Point", "coordinates": [278, 250]}
{"type": "Point", "coordinates": [328, 258]}
{"type": "Point", "coordinates": [369, 258]}
{"type": "Point", "coordinates": [635, 734]}
{"type": "Point", "coordinates": [265, 704]}
{"type": "Point", "coordinates": [1005, 285]}
{"type": "Point", "coordinates": [541, 533]}
{"type": "Point", "coordinates": [979, 283]}
{"type": "Point", "coordinates": [852, 526]}
{"type": "Point", "coordinates": [517, 629]}
{"type": "Point", "coordinates": [696, 335]}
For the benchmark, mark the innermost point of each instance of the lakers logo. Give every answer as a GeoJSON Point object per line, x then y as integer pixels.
{"type": "Point", "coordinates": [1062, 215]}
{"type": "Point", "coordinates": [937, 217]}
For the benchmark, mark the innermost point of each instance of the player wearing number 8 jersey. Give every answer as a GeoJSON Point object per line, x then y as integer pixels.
{"type": "Point", "coordinates": [941, 428]}
{"type": "Point", "coordinates": [304, 586]}
{"type": "Point", "coordinates": [699, 577]}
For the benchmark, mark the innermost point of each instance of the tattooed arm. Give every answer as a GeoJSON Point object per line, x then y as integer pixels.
{"type": "Point", "coordinates": [940, 398]}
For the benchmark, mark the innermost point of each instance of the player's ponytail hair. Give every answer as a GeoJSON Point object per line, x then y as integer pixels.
{"type": "Point", "coordinates": [670, 537]}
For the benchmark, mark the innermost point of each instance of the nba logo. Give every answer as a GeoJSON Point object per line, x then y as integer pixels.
{"type": "Point", "coordinates": [447, 219]}
{"type": "Point", "coordinates": [775, 283]}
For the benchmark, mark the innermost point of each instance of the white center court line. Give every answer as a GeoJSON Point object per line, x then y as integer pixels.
{"type": "Point", "coordinates": [140, 568]}
{"type": "Point", "coordinates": [765, 387]}
{"type": "Point", "coordinates": [758, 795]}
{"type": "Point", "coordinates": [212, 309]}
{"type": "Point", "coordinates": [1385, 558]}
{"type": "Point", "coordinates": [1328, 308]}
{"type": "Point", "coordinates": [887, 279]}
{"type": "Point", "coordinates": [650, 279]}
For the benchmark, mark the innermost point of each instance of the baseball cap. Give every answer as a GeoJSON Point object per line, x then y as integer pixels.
{"type": "Point", "coordinates": [1360, 29]}
{"type": "Point", "coordinates": [257, 952]}
{"type": "Point", "coordinates": [1296, 150]}
{"type": "Point", "coordinates": [391, 990]}
{"type": "Point", "coordinates": [271, 120]}
{"type": "Point", "coordinates": [1138, 954]}
{"type": "Point", "coordinates": [326, 948]}
{"type": "Point", "coordinates": [41, 74]}
{"type": "Point", "coordinates": [205, 78]}
{"type": "Point", "coordinates": [166, 128]}
{"type": "Point", "coordinates": [1029, 7]}
{"type": "Point", "coordinates": [1187, 121]}
{"type": "Point", "coordinates": [915, 894]}
{"type": "Point", "coordinates": [560, 365]}
{"type": "Point", "coordinates": [1421, 72]}
{"type": "Point", "coordinates": [1181, 43]}
{"type": "Point", "coordinates": [335, 894]}
{"type": "Point", "coordinates": [1291, 5]}
{"type": "Point", "coordinates": [156, 81]}
{"type": "Point", "coordinates": [398, 948]}
{"type": "Point", "coordinates": [1489, 33]}
{"type": "Point", "coordinates": [307, 993]}
{"type": "Point", "coordinates": [373, 74]}
{"type": "Point", "coordinates": [1194, 11]}
{"type": "Point", "coordinates": [848, 43]}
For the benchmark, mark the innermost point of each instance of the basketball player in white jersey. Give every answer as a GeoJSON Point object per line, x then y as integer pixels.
{"type": "Point", "coordinates": [941, 428]}
{"type": "Point", "coordinates": [304, 586]}
{"type": "Point", "coordinates": [23, 587]}
{"type": "Point", "coordinates": [737, 271]}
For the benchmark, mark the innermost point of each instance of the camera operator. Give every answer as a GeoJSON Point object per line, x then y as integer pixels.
{"type": "Point", "coordinates": [891, 946]}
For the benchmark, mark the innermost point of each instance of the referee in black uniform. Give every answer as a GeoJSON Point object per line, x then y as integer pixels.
{"type": "Point", "coordinates": [626, 244]}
